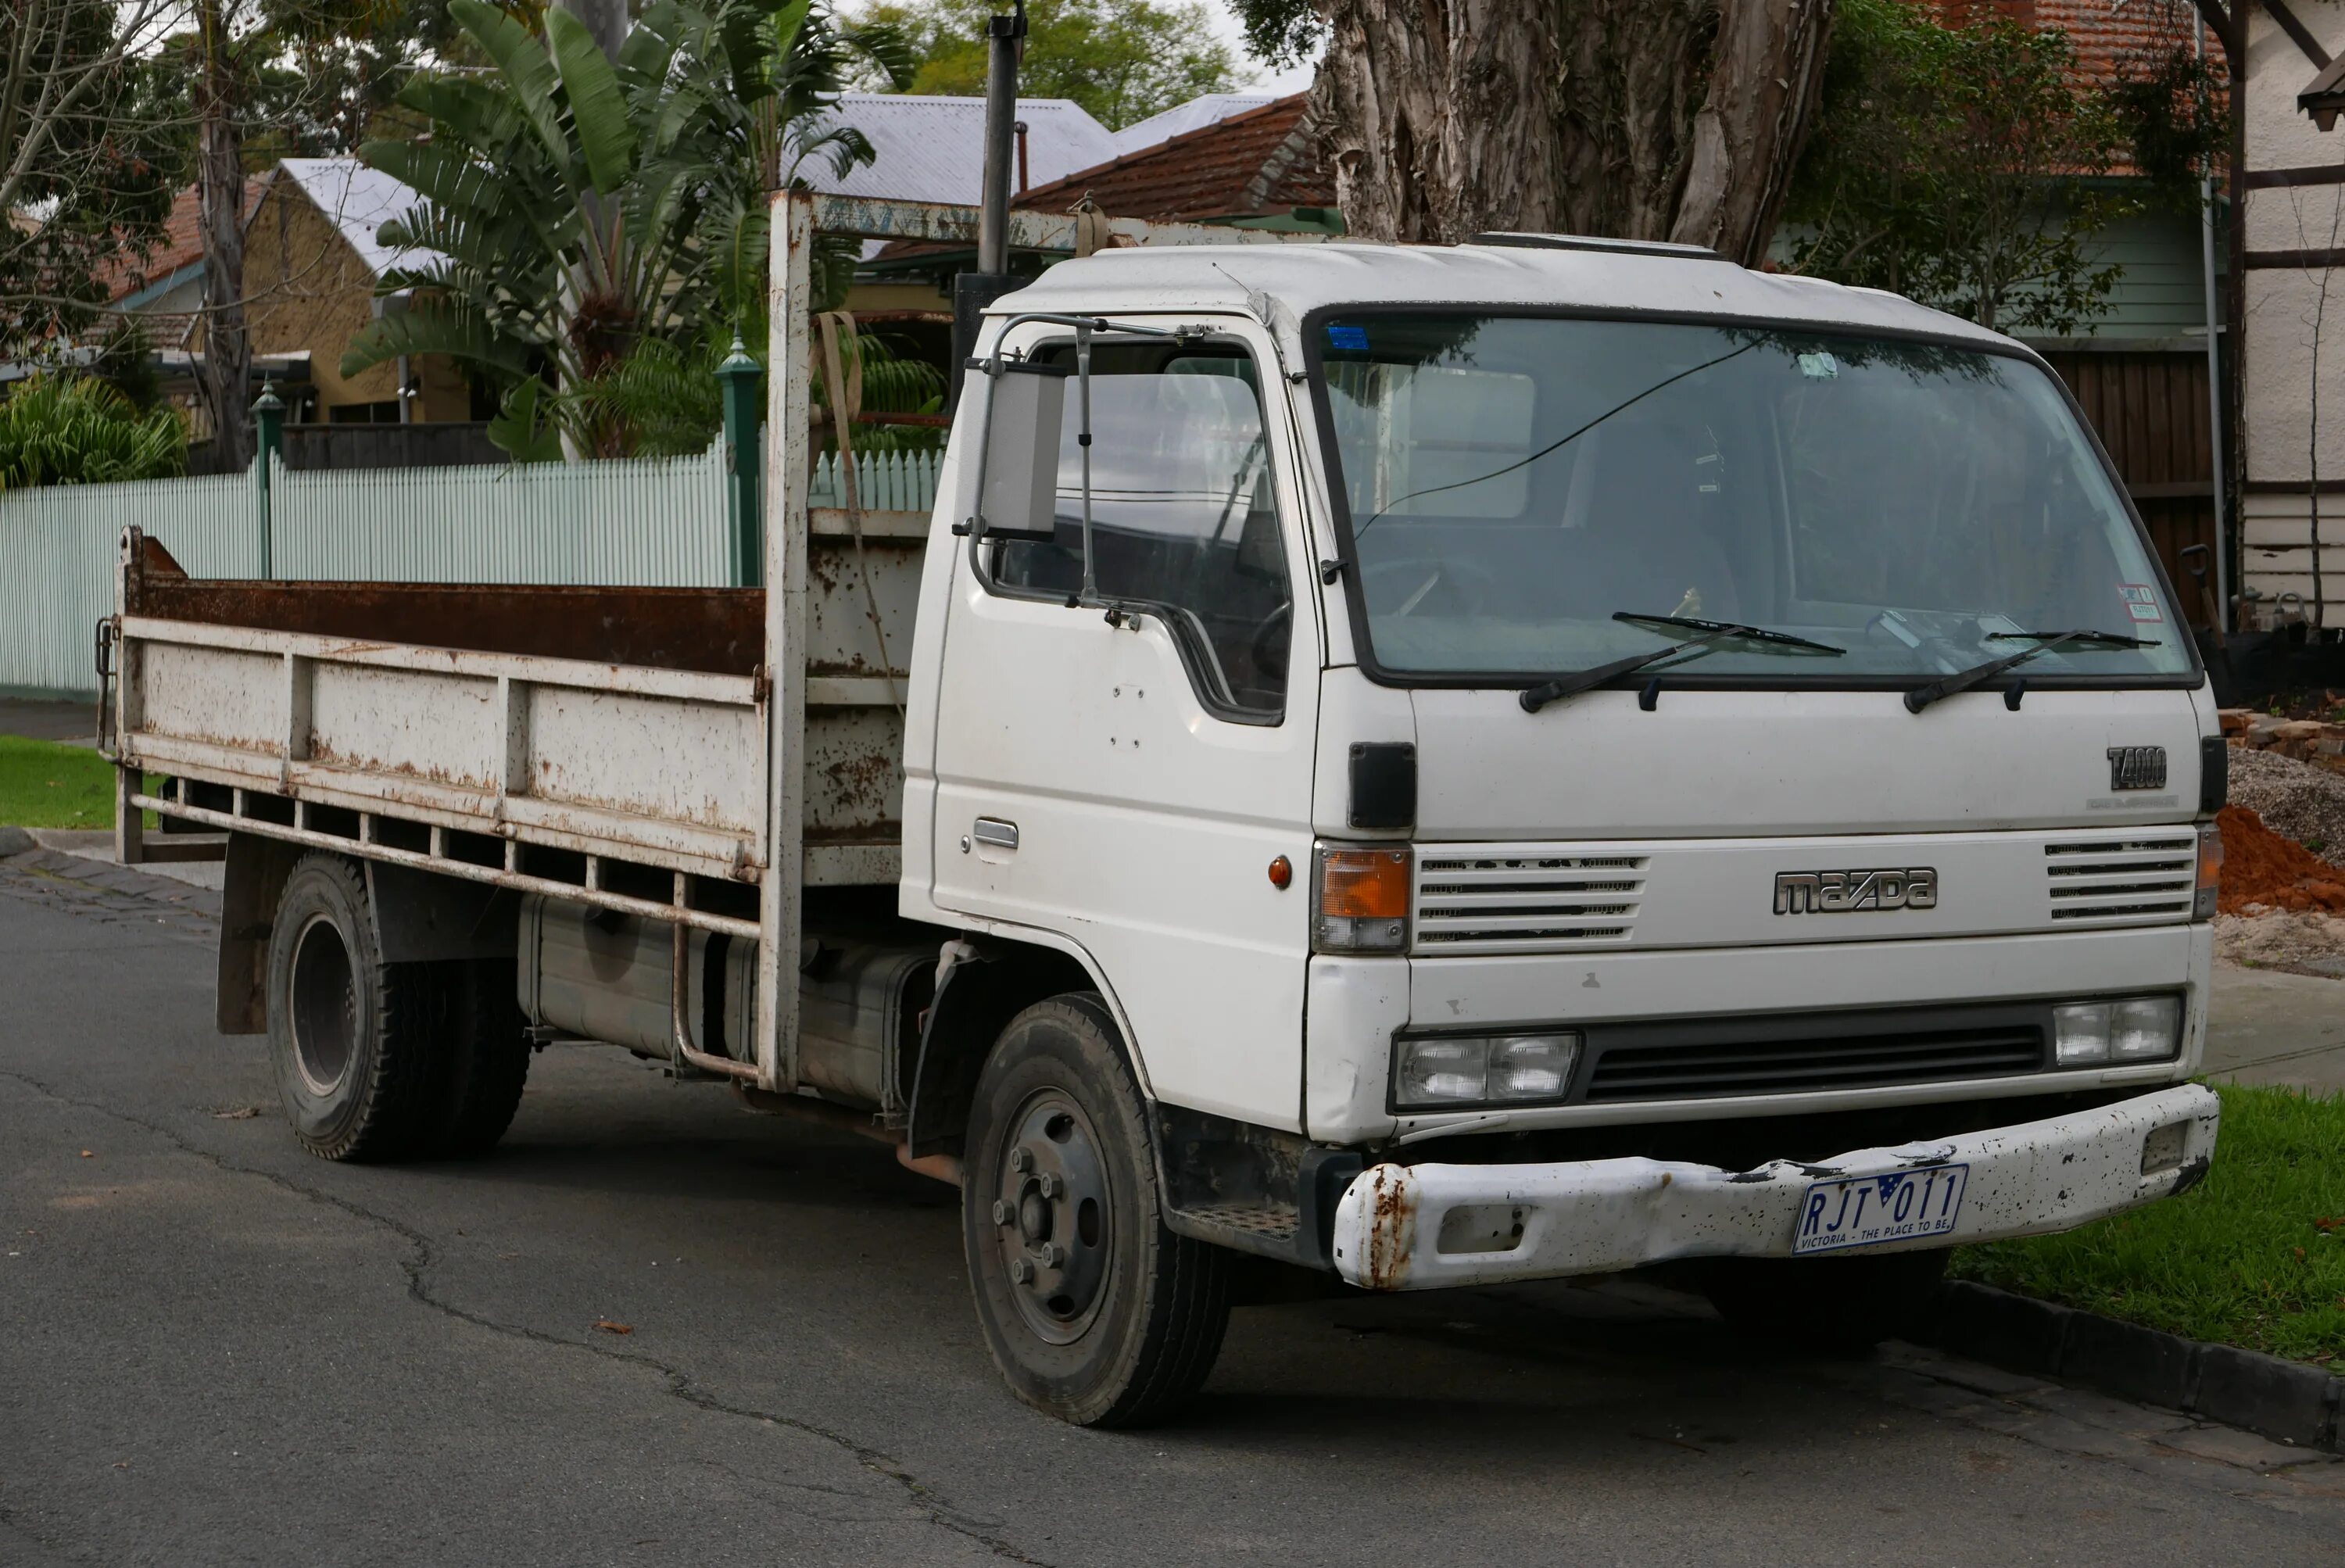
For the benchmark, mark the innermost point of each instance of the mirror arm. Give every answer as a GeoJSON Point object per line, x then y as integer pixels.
{"type": "Point", "coordinates": [1083, 444]}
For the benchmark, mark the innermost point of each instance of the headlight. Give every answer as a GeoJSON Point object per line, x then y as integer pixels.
{"type": "Point", "coordinates": [2137, 1029]}
{"type": "Point", "coordinates": [1445, 1071]}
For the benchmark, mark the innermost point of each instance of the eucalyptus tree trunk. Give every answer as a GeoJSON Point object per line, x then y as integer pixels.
{"type": "Point", "coordinates": [224, 374]}
{"type": "Point", "coordinates": [1639, 119]}
{"type": "Point", "coordinates": [597, 337]}
{"type": "Point", "coordinates": [606, 20]}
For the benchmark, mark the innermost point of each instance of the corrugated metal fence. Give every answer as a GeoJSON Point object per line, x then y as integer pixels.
{"type": "Point", "coordinates": [653, 522]}
{"type": "Point", "coordinates": [57, 563]}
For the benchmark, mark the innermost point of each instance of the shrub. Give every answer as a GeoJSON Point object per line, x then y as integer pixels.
{"type": "Point", "coordinates": [77, 430]}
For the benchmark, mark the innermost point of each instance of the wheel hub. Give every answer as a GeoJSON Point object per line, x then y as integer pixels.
{"type": "Point", "coordinates": [1050, 1217]}
{"type": "Point", "coordinates": [324, 1012]}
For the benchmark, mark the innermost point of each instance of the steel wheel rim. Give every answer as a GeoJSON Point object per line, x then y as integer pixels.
{"type": "Point", "coordinates": [324, 1006]}
{"type": "Point", "coordinates": [1050, 1220]}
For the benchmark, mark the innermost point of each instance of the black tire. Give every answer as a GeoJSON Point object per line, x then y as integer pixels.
{"type": "Point", "coordinates": [1843, 1305]}
{"type": "Point", "coordinates": [357, 1043]}
{"type": "Point", "coordinates": [486, 1063]}
{"type": "Point", "coordinates": [1121, 1326]}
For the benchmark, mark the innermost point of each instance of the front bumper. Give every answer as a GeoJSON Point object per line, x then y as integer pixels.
{"type": "Point", "coordinates": [1421, 1227]}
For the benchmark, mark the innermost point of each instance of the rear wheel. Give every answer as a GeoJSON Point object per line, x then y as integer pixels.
{"type": "Point", "coordinates": [1843, 1304]}
{"type": "Point", "coordinates": [486, 1062]}
{"type": "Point", "coordinates": [1094, 1312]}
{"type": "Point", "coordinates": [355, 1040]}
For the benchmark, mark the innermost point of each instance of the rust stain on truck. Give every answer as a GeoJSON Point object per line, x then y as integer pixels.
{"type": "Point", "coordinates": [1392, 1220]}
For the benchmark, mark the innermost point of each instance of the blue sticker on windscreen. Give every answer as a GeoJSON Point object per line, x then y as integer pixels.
{"type": "Point", "coordinates": [1343, 337]}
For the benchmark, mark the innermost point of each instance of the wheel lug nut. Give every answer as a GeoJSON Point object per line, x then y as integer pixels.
{"type": "Point", "coordinates": [1050, 1184]}
{"type": "Point", "coordinates": [1020, 1271]}
{"type": "Point", "coordinates": [1019, 1159]}
{"type": "Point", "coordinates": [1054, 1255]}
{"type": "Point", "coordinates": [1001, 1211]}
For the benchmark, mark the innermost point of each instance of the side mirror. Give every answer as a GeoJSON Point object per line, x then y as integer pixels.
{"type": "Point", "coordinates": [1017, 483]}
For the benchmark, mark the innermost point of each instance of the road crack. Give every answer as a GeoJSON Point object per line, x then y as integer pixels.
{"type": "Point", "coordinates": [680, 1384]}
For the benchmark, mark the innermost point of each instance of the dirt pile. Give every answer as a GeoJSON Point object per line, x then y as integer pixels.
{"type": "Point", "coordinates": [2301, 943]}
{"type": "Point", "coordinates": [2295, 799]}
{"type": "Point", "coordinates": [2262, 869]}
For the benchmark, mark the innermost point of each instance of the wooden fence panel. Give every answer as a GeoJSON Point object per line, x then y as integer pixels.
{"type": "Point", "coordinates": [2150, 410]}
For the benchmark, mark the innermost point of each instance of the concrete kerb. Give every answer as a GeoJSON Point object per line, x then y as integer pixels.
{"type": "Point", "coordinates": [2288, 1401]}
{"type": "Point", "coordinates": [13, 841]}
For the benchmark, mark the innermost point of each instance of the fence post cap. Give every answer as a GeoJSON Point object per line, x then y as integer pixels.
{"type": "Point", "coordinates": [267, 401]}
{"type": "Point", "coordinates": [738, 361]}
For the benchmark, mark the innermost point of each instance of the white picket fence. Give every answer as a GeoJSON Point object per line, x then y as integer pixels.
{"type": "Point", "coordinates": [884, 481]}
{"type": "Point", "coordinates": [649, 522]}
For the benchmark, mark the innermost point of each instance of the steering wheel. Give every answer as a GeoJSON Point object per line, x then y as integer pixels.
{"type": "Point", "coordinates": [1472, 584]}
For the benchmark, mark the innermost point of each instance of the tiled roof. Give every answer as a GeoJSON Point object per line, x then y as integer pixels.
{"type": "Point", "coordinates": [2108, 36]}
{"type": "Point", "coordinates": [2106, 33]}
{"type": "Point", "coordinates": [1183, 117]}
{"type": "Point", "coordinates": [1265, 160]}
{"type": "Point", "coordinates": [182, 245]}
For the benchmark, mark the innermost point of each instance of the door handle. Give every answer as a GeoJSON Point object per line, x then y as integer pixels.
{"type": "Point", "coordinates": [997, 832]}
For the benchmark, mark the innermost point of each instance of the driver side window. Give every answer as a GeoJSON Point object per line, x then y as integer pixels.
{"type": "Point", "coordinates": [1184, 518]}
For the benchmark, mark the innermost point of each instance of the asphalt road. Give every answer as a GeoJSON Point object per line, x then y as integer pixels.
{"type": "Point", "coordinates": [214, 1348]}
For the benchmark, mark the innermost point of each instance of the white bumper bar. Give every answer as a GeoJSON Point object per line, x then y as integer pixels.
{"type": "Point", "coordinates": [1419, 1227]}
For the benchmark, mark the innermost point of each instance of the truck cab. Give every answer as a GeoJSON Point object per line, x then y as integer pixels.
{"type": "Point", "coordinates": [1557, 757]}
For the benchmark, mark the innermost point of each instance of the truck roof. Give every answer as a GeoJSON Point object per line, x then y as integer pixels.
{"type": "Point", "coordinates": [1565, 275]}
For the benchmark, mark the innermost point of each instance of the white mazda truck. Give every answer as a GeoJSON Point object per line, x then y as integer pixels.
{"type": "Point", "coordinates": [1436, 766]}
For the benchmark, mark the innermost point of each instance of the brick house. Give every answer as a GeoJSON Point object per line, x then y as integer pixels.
{"type": "Point", "coordinates": [312, 261]}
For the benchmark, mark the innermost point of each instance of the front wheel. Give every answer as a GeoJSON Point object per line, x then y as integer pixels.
{"type": "Point", "coordinates": [1094, 1312]}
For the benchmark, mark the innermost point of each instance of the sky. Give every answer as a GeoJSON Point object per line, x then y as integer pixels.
{"type": "Point", "coordinates": [1252, 74]}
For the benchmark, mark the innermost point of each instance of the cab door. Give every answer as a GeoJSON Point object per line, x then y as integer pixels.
{"type": "Point", "coordinates": [1126, 772]}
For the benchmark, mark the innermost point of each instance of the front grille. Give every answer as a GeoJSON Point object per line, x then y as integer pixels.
{"type": "Point", "coordinates": [1503, 901]}
{"type": "Point", "coordinates": [1712, 1061]}
{"type": "Point", "coordinates": [2122, 882]}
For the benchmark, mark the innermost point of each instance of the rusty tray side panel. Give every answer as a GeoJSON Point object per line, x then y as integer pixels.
{"type": "Point", "coordinates": [721, 631]}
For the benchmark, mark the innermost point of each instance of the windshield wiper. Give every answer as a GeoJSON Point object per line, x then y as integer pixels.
{"type": "Point", "coordinates": [1922, 697]}
{"type": "Point", "coordinates": [1709, 634]}
{"type": "Point", "coordinates": [1728, 628]}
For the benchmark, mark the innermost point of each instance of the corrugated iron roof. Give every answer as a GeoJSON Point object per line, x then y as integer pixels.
{"type": "Point", "coordinates": [357, 200]}
{"type": "Point", "coordinates": [932, 147]}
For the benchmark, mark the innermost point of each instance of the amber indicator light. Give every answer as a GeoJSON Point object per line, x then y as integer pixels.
{"type": "Point", "coordinates": [1363, 884]}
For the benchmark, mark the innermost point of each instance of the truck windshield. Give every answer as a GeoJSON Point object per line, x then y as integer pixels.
{"type": "Point", "coordinates": [1512, 482]}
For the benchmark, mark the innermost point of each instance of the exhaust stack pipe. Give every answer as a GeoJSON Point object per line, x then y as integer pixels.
{"type": "Point", "coordinates": [1005, 39]}
{"type": "Point", "coordinates": [1004, 36]}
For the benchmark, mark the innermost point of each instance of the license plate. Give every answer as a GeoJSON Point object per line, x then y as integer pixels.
{"type": "Point", "coordinates": [1864, 1211]}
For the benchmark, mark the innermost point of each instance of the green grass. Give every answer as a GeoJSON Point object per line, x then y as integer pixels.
{"type": "Point", "coordinates": [2253, 1256]}
{"type": "Point", "coordinates": [45, 784]}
